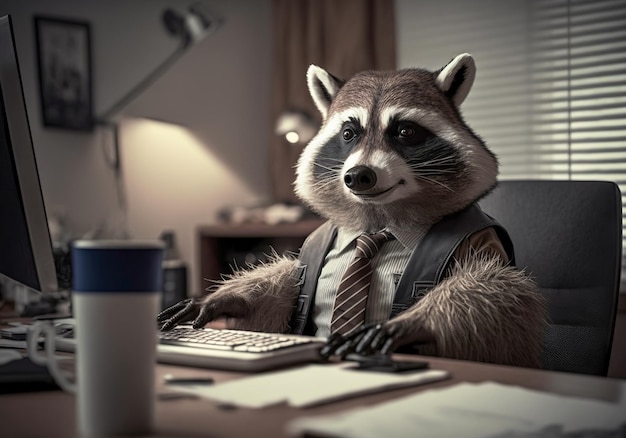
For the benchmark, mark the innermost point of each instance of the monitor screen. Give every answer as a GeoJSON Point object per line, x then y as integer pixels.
{"type": "Point", "coordinates": [26, 252]}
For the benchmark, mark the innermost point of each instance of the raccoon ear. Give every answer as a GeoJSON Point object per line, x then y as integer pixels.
{"type": "Point", "coordinates": [456, 78]}
{"type": "Point", "coordinates": [323, 87]}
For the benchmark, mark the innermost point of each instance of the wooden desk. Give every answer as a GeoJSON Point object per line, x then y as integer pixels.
{"type": "Point", "coordinates": [52, 413]}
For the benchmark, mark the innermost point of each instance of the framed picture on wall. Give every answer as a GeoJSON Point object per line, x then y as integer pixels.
{"type": "Point", "coordinates": [64, 67]}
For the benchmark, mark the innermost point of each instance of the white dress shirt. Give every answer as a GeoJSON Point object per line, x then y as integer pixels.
{"type": "Point", "coordinates": [388, 266]}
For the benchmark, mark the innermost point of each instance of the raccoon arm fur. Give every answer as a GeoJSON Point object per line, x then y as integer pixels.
{"type": "Point", "coordinates": [483, 310]}
{"type": "Point", "coordinates": [260, 299]}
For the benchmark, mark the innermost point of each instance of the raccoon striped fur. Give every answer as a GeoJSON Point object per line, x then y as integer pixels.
{"type": "Point", "coordinates": [394, 153]}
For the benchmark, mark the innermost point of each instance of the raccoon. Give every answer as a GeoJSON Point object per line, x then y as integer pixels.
{"type": "Point", "coordinates": [393, 153]}
{"type": "Point", "coordinates": [407, 158]}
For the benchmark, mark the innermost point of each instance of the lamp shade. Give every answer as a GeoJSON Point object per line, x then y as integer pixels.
{"type": "Point", "coordinates": [296, 126]}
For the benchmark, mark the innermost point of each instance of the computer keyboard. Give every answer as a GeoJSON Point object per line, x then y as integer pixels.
{"type": "Point", "coordinates": [236, 350]}
{"type": "Point", "coordinates": [235, 340]}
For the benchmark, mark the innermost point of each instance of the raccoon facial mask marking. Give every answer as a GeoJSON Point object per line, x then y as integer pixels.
{"type": "Point", "coordinates": [408, 157]}
{"type": "Point", "coordinates": [433, 122]}
{"type": "Point", "coordinates": [322, 159]}
{"type": "Point", "coordinates": [451, 150]}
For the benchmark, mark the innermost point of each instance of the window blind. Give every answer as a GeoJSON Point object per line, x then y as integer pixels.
{"type": "Point", "coordinates": [578, 93]}
{"type": "Point", "coordinates": [550, 92]}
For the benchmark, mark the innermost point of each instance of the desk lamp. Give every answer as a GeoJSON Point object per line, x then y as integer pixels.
{"type": "Point", "coordinates": [190, 27]}
{"type": "Point", "coordinates": [296, 126]}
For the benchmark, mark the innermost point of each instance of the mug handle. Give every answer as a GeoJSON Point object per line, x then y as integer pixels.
{"type": "Point", "coordinates": [48, 359]}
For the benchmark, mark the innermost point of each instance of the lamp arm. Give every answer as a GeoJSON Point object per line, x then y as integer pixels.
{"type": "Point", "coordinates": [145, 83]}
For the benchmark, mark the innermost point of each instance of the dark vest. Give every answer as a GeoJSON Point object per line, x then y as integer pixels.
{"type": "Point", "coordinates": [426, 266]}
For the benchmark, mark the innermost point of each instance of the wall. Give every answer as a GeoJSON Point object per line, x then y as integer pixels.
{"type": "Point", "coordinates": [174, 177]}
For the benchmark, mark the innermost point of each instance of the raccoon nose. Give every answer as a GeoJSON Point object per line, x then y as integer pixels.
{"type": "Point", "coordinates": [360, 178]}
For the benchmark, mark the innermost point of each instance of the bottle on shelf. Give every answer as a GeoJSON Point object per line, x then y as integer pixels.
{"type": "Point", "coordinates": [174, 272]}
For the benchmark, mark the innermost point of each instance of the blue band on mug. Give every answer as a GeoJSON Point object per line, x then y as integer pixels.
{"type": "Point", "coordinates": [101, 266]}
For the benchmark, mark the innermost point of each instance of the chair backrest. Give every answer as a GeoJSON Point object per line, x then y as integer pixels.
{"type": "Point", "coordinates": [568, 236]}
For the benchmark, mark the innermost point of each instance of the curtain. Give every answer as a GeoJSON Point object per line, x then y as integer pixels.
{"type": "Point", "coordinates": [343, 37]}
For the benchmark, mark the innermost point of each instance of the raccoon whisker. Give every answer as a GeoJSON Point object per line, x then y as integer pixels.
{"type": "Point", "coordinates": [330, 175]}
{"type": "Point", "coordinates": [422, 171]}
{"type": "Point", "coordinates": [435, 181]}
{"type": "Point", "coordinates": [323, 184]}
{"type": "Point", "coordinates": [338, 160]}
{"type": "Point", "coordinates": [431, 172]}
{"type": "Point", "coordinates": [325, 180]}
{"type": "Point", "coordinates": [430, 163]}
{"type": "Point", "coordinates": [442, 159]}
{"type": "Point", "coordinates": [324, 188]}
{"type": "Point", "coordinates": [332, 169]}
{"type": "Point", "coordinates": [440, 164]}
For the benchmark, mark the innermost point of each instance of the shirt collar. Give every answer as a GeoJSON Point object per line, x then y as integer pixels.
{"type": "Point", "coordinates": [409, 238]}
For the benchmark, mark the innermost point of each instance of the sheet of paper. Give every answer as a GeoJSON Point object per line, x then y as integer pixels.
{"type": "Point", "coordinates": [308, 385]}
{"type": "Point", "coordinates": [471, 411]}
{"type": "Point", "coordinates": [10, 343]}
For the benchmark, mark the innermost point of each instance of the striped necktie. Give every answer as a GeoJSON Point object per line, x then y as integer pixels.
{"type": "Point", "coordinates": [351, 299]}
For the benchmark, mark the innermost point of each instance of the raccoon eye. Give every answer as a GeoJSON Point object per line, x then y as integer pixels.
{"type": "Point", "coordinates": [406, 131]}
{"type": "Point", "coordinates": [409, 133]}
{"type": "Point", "coordinates": [348, 134]}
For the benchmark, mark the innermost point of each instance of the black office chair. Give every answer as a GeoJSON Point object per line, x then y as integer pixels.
{"type": "Point", "coordinates": [568, 236]}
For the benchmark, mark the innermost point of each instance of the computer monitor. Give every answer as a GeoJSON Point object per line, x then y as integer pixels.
{"type": "Point", "coordinates": [26, 254]}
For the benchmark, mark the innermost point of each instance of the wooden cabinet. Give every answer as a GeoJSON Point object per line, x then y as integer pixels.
{"type": "Point", "coordinates": [223, 247]}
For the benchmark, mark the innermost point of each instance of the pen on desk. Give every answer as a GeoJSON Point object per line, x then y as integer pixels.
{"type": "Point", "coordinates": [197, 380]}
{"type": "Point", "coordinates": [169, 396]}
{"type": "Point", "coordinates": [51, 316]}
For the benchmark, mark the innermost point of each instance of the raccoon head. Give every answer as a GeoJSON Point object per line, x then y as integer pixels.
{"type": "Point", "coordinates": [393, 148]}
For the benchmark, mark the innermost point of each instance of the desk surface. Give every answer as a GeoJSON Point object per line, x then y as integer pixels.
{"type": "Point", "coordinates": [52, 413]}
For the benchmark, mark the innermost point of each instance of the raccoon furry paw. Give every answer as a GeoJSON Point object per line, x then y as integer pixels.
{"type": "Point", "coordinates": [202, 311]}
{"type": "Point", "coordinates": [374, 339]}
{"type": "Point", "coordinates": [183, 311]}
{"type": "Point", "coordinates": [368, 339]}
{"type": "Point", "coordinates": [260, 299]}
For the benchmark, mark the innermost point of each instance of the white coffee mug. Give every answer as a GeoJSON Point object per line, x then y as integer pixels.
{"type": "Point", "coordinates": [47, 331]}
{"type": "Point", "coordinates": [115, 295]}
